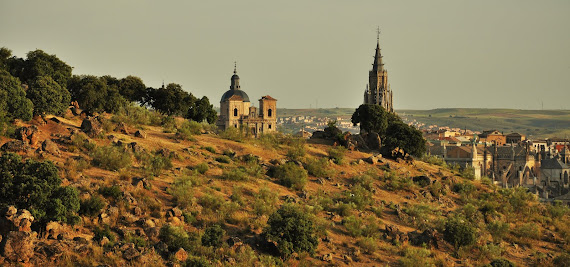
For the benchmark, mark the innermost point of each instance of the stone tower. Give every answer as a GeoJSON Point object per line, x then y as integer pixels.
{"type": "Point", "coordinates": [378, 90]}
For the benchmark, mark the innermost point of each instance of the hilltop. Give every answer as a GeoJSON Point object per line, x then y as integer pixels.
{"type": "Point", "coordinates": [156, 191]}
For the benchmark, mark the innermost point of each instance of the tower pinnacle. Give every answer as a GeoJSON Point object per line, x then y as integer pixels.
{"type": "Point", "coordinates": [235, 67]}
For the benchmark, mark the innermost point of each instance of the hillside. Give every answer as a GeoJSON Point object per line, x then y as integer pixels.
{"type": "Point", "coordinates": [164, 191]}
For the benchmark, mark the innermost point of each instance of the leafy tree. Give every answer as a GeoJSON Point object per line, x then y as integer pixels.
{"type": "Point", "coordinates": [132, 88]}
{"type": "Point", "coordinates": [48, 97]}
{"type": "Point", "coordinates": [13, 99]}
{"type": "Point", "coordinates": [406, 137]}
{"type": "Point", "coordinates": [39, 63]}
{"type": "Point", "coordinates": [291, 175]}
{"type": "Point", "coordinates": [201, 110]}
{"type": "Point", "coordinates": [373, 118]}
{"type": "Point", "coordinates": [292, 229]}
{"type": "Point", "coordinates": [36, 186]}
{"type": "Point", "coordinates": [5, 55]}
{"type": "Point", "coordinates": [213, 236]}
{"type": "Point", "coordinates": [171, 100]}
{"type": "Point", "coordinates": [94, 95]}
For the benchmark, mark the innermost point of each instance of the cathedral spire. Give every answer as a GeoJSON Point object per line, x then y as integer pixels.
{"type": "Point", "coordinates": [378, 65]}
{"type": "Point", "coordinates": [235, 79]}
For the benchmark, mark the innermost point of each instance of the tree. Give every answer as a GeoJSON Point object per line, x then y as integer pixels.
{"type": "Point", "coordinates": [48, 97]}
{"type": "Point", "coordinates": [93, 94]}
{"type": "Point", "coordinates": [459, 232]}
{"type": "Point", "coordinates": [39, 63]}
{"type": "Point", "coordinates": [406, 137]}
{"type": "Point", "coordinates": [213, 236]}
{"type": "Point", "coordinates": [202, 110]}
{"type": "Point", "coordinates": [292, 229]}
{"type": "Point", "coordinates": [36, 186]}
{"type": "Point", "coordinates": [373, 118]}
{"type": "Point", "coordinates": [13, 98]}
{"type": "Point", "coordinates": [132, 88]}
{"type": "Point", "coordinates": [171, 100]}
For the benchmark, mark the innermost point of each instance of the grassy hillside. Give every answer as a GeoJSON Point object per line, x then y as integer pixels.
{"type": "Point", "coordinates": [164, 200]}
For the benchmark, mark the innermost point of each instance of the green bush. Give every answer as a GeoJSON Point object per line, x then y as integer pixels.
{"type": "Point", "coordinates": [236, 174]}
{"type": "Point", "coordinates": [557, 209]}
{"type": "Point", "coordinates": [296, 151]}
{"type": "Point", "coordinates": [291, 175]}
{"type": "Point", "coordinates": [416, 257]}
{"type": "Point", "coordinates": [194, 261]}
{"type": "Point", "coordinates": [498, 230]}
{"type": "Point", "coordinates": [233, 134]}
{"type": "Point", "coordinates": [319, 167]}
{"type": "Point", "coordinates": [527, 230]}
{"type": "Point", "coordinates": [358, 196]}
{"type": "Point", "coordinates": [210, 149]}
{"type": "Point", "coordinates": [113, 192]}
{"type": "Point", "coordinates": [223, 159]}
{"type": "Point", "coordinates": [292, 229]}
{"type": "Point", "coordinates": [466, 189]}
{"type": "Point", "coordinates": [92, 206]}
{"type": "Point", "coordinates": [459, 233]}
{"type": "Point", "coordinates": [212, 236]}
{"type": "Point", "coordinates": [136, 116]}
{"type": "Point", "coordinates": [182, 189]}
{"type": "Point", "coordinates": [265, 201]}
{"type": "Point", "coordinates": [100, 232]}
{"type": "Point", "coordinates": [501, 263]}
{"type": "Point", "coordinates": [111, 158]}
{"type": "Point", "coordinates": [201, 168]}
{"type": "Point", "coordinates": [36, 186]}
{"type": "Point", "coordinates": [154, 165]}
{"type": "Point", "coordinates": [336, 153]}
{"type": "Point", "coordinates": [176, 238]}
{"type": "Point", "coordinates": [562, 260]}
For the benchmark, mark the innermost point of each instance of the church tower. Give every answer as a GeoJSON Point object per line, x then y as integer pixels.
{"type": "Point", "coordinates": [378, 90]}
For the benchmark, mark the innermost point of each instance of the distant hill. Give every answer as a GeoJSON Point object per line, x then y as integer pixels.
{"type": "Point", "coordinates": [533, 123]}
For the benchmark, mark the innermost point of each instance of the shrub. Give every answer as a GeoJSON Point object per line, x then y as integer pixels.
{"type": "Point", "coordinates": [358, 196]}
{"type": "Point", "coordinates": [459, 233]}
{"type": "Point", "coordinates": [237, 174]}
{"type": "Point", "coordinates": [292, 229]}
{"type": "Point", "coordinates": [265, 201]}
{"type": "Point", "coordinates": [111, 158]}
{"type": "Point", "coordinates": [113, 192]}
{"type": "Point", "coordinates": [153, 165]}
{"type": "Point", "coordinates": [296, 150]}
{"type": "Point", "coordinates": [465, 189]}
{"type": "Point", "coordinates": [468, 173]}
{"type": "Point", "coordinates": [291, 175]}
{"type": "Point", "coordinates": [557, 209]}
{"type": "Point", "coordinates": [562, 260]}
{"type": "Point", "coordinates": [212, 236]}
{"type": "Point", "coordinates": [101, 232]}
{"type": "Point", "coordinates": [336, 153]}
{"type": "Point", "coordinates": [36, 186]}
{"type": "Point", "coordinates": [501, 263]}
{"type": "Point", "coordinates": [194, 261]}
{"type": "Point", "coordinates": [434, 160]}
{"type": "Point", "coordinates": [527, 230]}
{"type": "Point", "coordinates": [92, 206]}
{"type": "Point", "coordinates": [182, 189]}
{"type": "Point", "coordinates": [210, 149]}
{"type": "Point", "coordinates": [233, 134]}
{"type": "Point", "coordinates": [176, 238]}
{"type": "Point", "coordinates": [416, 257]}
{"type": "Point", "coordinates": [319, 167]}
{"type": "Point", "coordinates": [223, 159]}
{"type": "Point", "coordinates": [135, 115]}
{"type": "Point", "coordinates": [498, 230]}
{"type": "Point", "coordinates": [201, 168]}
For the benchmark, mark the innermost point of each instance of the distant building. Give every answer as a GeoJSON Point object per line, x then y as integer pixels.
{"type": "Point", "coordinates": [514, 138]}
{"type": "Point", "coordinates": [378, 89]}
{"type": "Point", "coordinates": [236, 111]}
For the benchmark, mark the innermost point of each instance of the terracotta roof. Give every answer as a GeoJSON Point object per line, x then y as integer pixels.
{"type": "Point", "coordinates": [267, 97]}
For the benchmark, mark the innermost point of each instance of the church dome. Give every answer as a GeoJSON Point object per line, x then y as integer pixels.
{"type": "Point", "coordinates": [235, 77]}
{"type": "Point", "coordinates": [231, 93]}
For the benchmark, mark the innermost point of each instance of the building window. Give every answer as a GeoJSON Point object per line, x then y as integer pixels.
{"type": "Point", "coordinates": [270, 124]}
{"type": "Point", "coordinates": [269, 112]}
{"type": "Point", "coordinates": [235, 112]}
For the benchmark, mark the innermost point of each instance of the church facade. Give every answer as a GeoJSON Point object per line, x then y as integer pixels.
{"type": "Point", "coordinates": [378, 89]}
{"type": "Point", "coordinates": [236, 111]}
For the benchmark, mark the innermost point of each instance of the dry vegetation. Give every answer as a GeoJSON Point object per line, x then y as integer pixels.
{"type": "Point", "coordinates": [212, 195]}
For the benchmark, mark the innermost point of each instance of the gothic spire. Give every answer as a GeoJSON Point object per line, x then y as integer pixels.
{"type": "Point", "coordinates": [378, 65]}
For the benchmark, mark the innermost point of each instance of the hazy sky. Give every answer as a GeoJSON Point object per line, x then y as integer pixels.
{"type": "Point", "coordinates": [512, 54]}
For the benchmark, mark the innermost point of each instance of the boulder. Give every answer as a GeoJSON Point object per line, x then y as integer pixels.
{"type": "Point", "coordinates": [53, 229]}
{"type": "Point", "coordinates": [92, 126]}
{"type": "Point", "coordinates": [429, 237]}
{"type": "Point", "coordinates": [372, 160]}
{"type": "Point", "coordinates": [174, 212]}
{"type": "Point", "coordinates": [50, 147]}
{"type": "Point", "coordinates": [122, 128]}
{"type": "Point", "coordinates": [181, 255]}
{"type": "Point", "coordinates": [141, 183]}
{"type": "Point", "coordinates": [131, 253]}
{"type": "Point", "coordinates": [28, 135]}
{"type": "Point", "coordinates": [373, 141]}
{"type": "Point", "coordinates": [140, 134]}
{"type": "Point", "coordinates": [135, 148]}
{"type": "Point", "coordinates": [327, 257]}
{"type": "Point", "coordinates": [19, 246]}
{"type": "Point", "coordinates": [16, 146]}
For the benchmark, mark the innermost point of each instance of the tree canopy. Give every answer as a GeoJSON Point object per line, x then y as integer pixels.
{"type": "Point", "coordinates": [39, 63]}
{"type": "Point", "coordinates": [171, 100]}
{"type": "Point", "coordinates": [373, 118]}
{"type": "Point", "coordinates": [48, 97]}
{"type": "Point", "coordinates": [94, 95]}
{"type": "Point", "coordinates": [292, 229]}
{"type": "Point", "coordinates": [201, 110]}
{"type": "Point", "coordinates": [13, 98]}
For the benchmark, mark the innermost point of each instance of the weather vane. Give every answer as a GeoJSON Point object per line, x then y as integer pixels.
{"type": "Point", "coordinates": [378, 33]}
{"type": "Point", "coordinates": [235, 67]}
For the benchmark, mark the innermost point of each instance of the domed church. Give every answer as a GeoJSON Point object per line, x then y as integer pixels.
{"type": "Point", "coordinates": [236, 111]}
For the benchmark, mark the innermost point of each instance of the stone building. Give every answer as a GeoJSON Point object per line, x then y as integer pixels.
{"type": "Point", "coordinates": [378, 89]}
{"type": "Point", "coordinates": [236, 111]}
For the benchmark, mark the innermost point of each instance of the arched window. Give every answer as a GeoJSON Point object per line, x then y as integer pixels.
{"type": "Point", "coordinates": [565, 177]}
{"type": "Point", "coordinates": [235, 112]}
{"type": "Point", "coordinates": [269, 112]}
{"type": "Point", "coordinates": [269, 126]}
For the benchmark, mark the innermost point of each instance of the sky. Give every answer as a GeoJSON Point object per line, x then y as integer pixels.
{"type": "Point", "coordinates": [307, 54]}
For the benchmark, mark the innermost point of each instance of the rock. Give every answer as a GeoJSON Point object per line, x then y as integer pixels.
{"type": "Point", "coordinates": [122, 128]}
{"type": "Point", "coordinates": [140, 134]}
{"type": "Point", "coordinates": [113, 212]}
{"type": "Point", "coordinates": [16, 146]}
{"type": "Point", "coordinates": [137, 211]}
{"type": "Point", "coordinates": [38, 120]}
{"type": "Point", "coordinates": [28, 135]}
{"type": "Point", "coordinates": [175, 221]}
{"type": "Point", "coordinates": [148, 223]}
{"type": "Point", "coordinates": [174, 212]}
{"type": "Point", "coordinates": [53, 229]}
{"type": "Point", "coordinates": [165, 152]}
{"type": "Point", "coordinates": [347, 258]}
{"type": "Point", "coordinates": [50, 147]}
{"type": "Point", "coordinates": [91, 126]}
{"type": "Point", "coordinates": [56, 120]}
{"type": "Point", "coordinates": [104, 241]}
{"type": "Point", "coordinates": [234, 241]}
{"type": "Point", "coordinates": [327, 257]}
{"type": "Point", "coordinates": [141, 183]}
{"type": "Point", "coordinates": [17, 220]}
{"type": "Point", "coordinates": [19, 246]}
{"type": "Point", "coordinates": [75, 111]}
{"type": "Point", "coordinates": [319, 135]}
{"type": "Point", "coordinates": [53, 250]}
{"type": "Point", "coordinates": [372, 160]}
{"type": "Point", "coordinates": [104, 218]}
{"type": "Point", "coordinates": [373, 141]}
{"type": "Point", "coordinates": [181, 255]}
{"type": "Point", "coordinates": [393, 233]}
{"type": "Point", "coordinates": [136, 148]}
{"type": "Point", "coordinates": [80, 240]}
{"type": "Point", "coordinates": [113, 139]}
{"type": "Point", "coordinates": [153, 233]}
{"type": "Point", "coordinates": [429, 237]}
{"type": "Point", "coordinates": [131, 254]}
